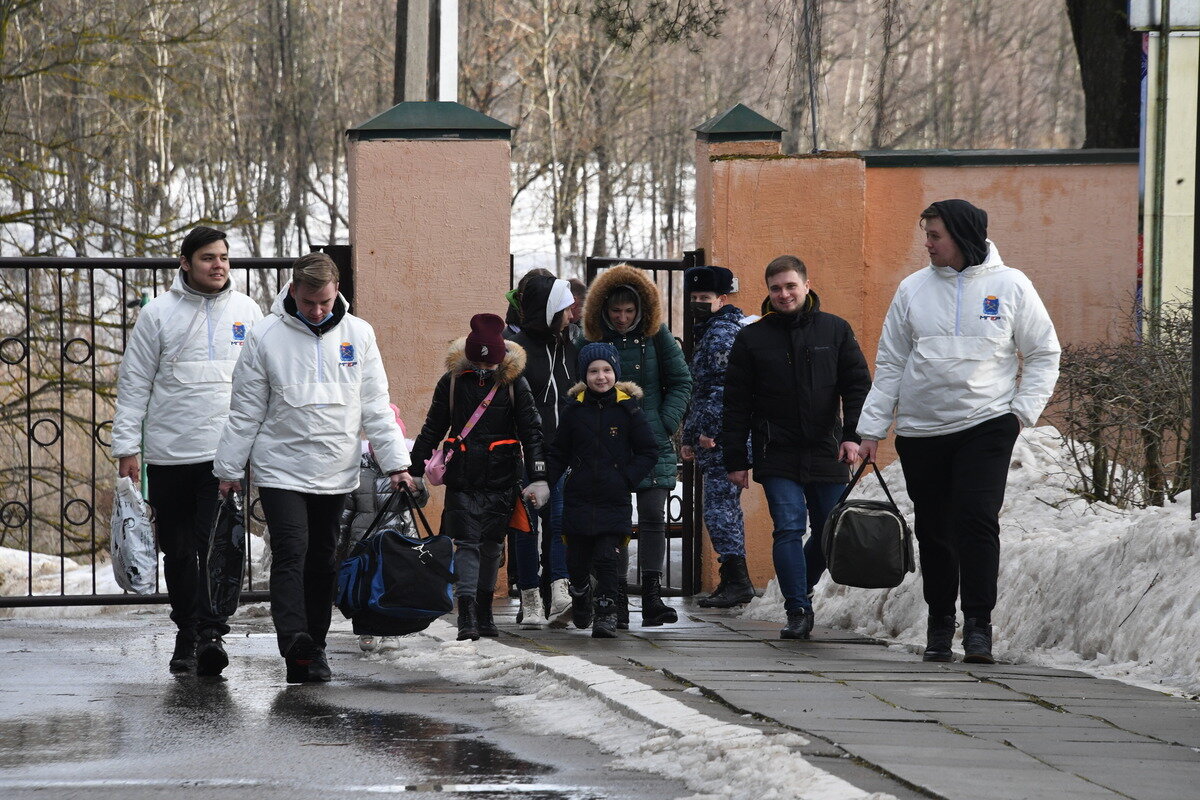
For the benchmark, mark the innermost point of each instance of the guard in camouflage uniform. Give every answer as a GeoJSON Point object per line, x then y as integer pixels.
{"type": "Point", "coordinates": [716, 326]}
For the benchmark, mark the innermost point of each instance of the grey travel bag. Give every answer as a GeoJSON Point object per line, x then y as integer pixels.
{"type": "Point", "coordinates": [867, 543]}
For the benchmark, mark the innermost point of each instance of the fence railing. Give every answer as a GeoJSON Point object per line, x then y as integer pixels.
{"type": "Point", "coordinates": [64, 323]}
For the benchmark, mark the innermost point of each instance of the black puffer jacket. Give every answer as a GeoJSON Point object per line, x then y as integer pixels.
{"type": "Point", "coordinates": [490, 457]}
{"type": "Point", "coordinates": [607, 443]}
{"type": "Point", "coordinates": [790, 379]}
{"type": "Point", "coordinates": [550, 357]}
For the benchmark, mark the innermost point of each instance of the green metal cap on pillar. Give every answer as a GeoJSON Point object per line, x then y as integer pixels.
{"type": "Point", "coordinates": [431, 120]}
{"type": "Point", "coordinates": [739, 124]}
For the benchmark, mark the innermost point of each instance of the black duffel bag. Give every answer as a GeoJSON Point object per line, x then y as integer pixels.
{"type": "Point", "coordinates": [392, 584]}
{"type": "Point", "coordinates": [867, 543]}
{"type": "Point", "coordinates": [227, 556]}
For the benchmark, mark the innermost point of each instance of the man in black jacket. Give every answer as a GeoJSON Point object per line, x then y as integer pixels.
{"type": "Point", "coordinates": [792, 377]}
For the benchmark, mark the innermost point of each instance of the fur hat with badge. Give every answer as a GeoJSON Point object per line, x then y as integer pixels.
{"type": "Point", "coordinates": [708, 279]}
{"type": "Point", "coordinates": [485, 342]}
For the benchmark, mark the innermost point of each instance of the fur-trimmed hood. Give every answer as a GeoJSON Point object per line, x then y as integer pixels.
{"type": "Point", "coordinates": [630, 389]}
{"type": "Point", "coordinates": [507, 371]}
{"type": "Point", "coordinates": [595, 327]}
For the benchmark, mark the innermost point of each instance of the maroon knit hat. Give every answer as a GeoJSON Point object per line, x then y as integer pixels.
{"type": "Point", "coordinates": [485, 342]}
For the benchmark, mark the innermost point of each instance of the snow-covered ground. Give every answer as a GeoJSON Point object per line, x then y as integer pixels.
{"type": "Point", "coordinates": [1087, 587]}
{"type": "Point", "coordinates": [642, 728]}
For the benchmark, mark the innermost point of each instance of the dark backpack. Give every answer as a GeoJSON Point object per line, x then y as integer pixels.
{"type": "Point", "coordinates": [867, 543]}
{"type": "Point", "coordinates": [394, 584]}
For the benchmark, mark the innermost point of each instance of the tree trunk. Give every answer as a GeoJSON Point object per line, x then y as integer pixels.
{"type": "Point", "coordinates": [1110, 68]}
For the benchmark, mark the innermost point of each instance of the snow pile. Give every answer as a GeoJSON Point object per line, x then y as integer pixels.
{"type": "Point", "coordinates": [644, 729]}
{"type": "Point", "coordinates": [1081, 586]}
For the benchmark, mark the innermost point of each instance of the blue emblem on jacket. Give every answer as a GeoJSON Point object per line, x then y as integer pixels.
{"type": "Point", "coordinates": [239, 331]}
{"type": "Point", "coordinates": [347, 351]}
{"type": "Point", "coordinates": [991, 306]}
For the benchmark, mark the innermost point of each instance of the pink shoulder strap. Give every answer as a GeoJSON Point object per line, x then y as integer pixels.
{"type": "Point", "coordinates": [483, 405]}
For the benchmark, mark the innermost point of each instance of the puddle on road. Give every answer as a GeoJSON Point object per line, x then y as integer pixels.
{"type": "Point", "coordinates": [57, 737]}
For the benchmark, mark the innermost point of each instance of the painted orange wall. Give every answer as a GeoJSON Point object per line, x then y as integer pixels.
{"type": "Point", "coordinates": [429, 223]}
{"type": "Point", "coordinates": [1072, 229]}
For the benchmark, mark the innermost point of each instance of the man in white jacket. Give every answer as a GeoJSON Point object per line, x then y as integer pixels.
{"type": "Point", "coordinates": [953, 344]}
{"type": "Point", "coordinates": [310, 380]}
{"type": "Point", "coordinates": [175, 377]}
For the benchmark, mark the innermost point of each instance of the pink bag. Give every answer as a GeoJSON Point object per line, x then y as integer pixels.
{"type": "Point", "coordinates": [436, 464]}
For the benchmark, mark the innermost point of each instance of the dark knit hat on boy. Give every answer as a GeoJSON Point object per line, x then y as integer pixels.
{"type": "Point", "coordinates": [485, 342]}
{"type": "Point", "coordinates": [598, 351]}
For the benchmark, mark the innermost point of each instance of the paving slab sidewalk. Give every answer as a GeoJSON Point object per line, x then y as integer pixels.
{"type": "Point", "coordinates": [883, 720]}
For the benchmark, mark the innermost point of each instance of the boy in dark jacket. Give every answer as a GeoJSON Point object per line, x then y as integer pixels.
{"type": "Point", "coordinates": [484, 477]}
{"type": "Point", "coordinates": [604, 439]}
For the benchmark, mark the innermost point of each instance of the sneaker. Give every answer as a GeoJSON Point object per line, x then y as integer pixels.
{"type": "Point", "coordinates": [977, 642]}
{"type": "Point", "coordinates": [560, 603]}
{"type": "Point", "coordinates": [799, 624]}
{"type": "Point", "coordinates": [532, 618]}
{"type": "Point", "coordinates": [183, 657]}
{"type": "Point", "coordinates": [299, 658]}
{"type": "Point", "coordinates": [389, 644]}
{"type": "Point", "coordinates": [211, 657]}
{"type": "Point", "coordinates": [368, 643]}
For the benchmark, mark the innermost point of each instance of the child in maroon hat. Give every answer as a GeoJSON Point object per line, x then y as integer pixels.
{"type": "Point", "coordinates": [483, 392]}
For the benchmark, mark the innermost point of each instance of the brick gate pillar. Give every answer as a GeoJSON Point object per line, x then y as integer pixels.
{"type": "Point", "coordinates": [429, 186]}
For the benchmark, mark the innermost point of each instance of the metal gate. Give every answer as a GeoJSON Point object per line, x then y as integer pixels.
{"type": "Point", "coordinates": [63, 328]}
{"type": "Point", "coordinates": [685, 520]}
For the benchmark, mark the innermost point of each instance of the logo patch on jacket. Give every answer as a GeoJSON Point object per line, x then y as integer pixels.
{"type": "Point", "coordinates": [613, 431]}
{"type": "Point", "coordinates": [991, 308]}
{"type": "Point", "coordinates": [239, 333]}
{"type": "Point", "coordinates": [346, 352]}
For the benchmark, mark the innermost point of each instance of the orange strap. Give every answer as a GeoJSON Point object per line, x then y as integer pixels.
{"type": "Point", "coordinates": [493, 445]}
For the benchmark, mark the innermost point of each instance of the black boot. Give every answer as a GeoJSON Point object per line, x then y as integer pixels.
{"type": "Point", "coordinates": [210, 654]}
{"type": "Point", "coordinates": [623, 605]}
{"type": "Point", "coordinates": [183, 657]}
{"type": "Point", "coordinates": [799, 624]}
{"type": "Point", "coordinates": [654, 611]}
{"type": "Point", "coordinates": [977, 642]}
{"type": "Point", "coordinates": [483, 611]}
{"type": "Point", "coordinates": [604, 625]}
{"type": "Point", "coordinates": [299, 657]}
{"type": "Point", "coordinates": [718, 594]}
{"type": "Point", "coordinates": [468, 618]}
{"type": "Point", "coordinates": [735, 588]}
{"type": "Point", "coordinates": [939, 634]}
{"type": "Point", "coordinates": [581, 606]}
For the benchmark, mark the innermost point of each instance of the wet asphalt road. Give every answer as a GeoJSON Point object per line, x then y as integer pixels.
{"type": "Point", "coordinates": [89, 710]}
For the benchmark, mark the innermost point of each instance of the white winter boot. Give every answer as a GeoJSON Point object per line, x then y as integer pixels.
{"type": "Point", "coordinates": [532, 618]}
{"type": "Point", "coordinates": [560, 603]}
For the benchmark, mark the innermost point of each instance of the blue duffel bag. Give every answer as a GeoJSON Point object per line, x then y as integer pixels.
{"type": "Point", "coordinates": [392, 584]}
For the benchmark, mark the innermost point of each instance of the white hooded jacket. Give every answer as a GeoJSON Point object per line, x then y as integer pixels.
{"type": "Point", "coordinates": [948, 355]}
{"type": "Point", "coordinates": [300, 401]}
{"type": "Point", "coordinates": [177, 371]}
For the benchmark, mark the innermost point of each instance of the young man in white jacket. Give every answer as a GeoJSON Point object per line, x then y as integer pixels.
{"type": "Point", "coordinates": [953, 344]}
{"type": "Point", "coordinates": [176, 377]}
{"type": "Point", "coordinates": [310, 380]}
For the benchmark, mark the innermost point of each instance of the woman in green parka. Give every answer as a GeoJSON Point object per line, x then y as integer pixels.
{"type": "Point", "coordinates": [624, 308]}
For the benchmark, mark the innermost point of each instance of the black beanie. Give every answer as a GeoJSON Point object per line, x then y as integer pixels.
{"type": "Point", "coordinates": [967, 226]}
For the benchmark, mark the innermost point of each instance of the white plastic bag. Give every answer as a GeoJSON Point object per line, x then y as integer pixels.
{"type": "Point", "coordinates": [134, 558]}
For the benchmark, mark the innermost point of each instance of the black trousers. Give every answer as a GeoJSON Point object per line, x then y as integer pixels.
{"type": "Point", "coordinates": [596, 554]}
{"type": "Point", "coordinates": [956, 483]}
{"type": "Point", "coordinates": [184, 497]}
{"type": "Point", "coordinates": [303, 530]}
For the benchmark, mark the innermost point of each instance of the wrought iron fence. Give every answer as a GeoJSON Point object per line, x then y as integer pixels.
{"type": "Point", "coordinates": [64, 323]}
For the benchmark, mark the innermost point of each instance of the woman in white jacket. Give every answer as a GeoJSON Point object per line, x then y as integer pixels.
{"type": "Point", "coordinates": [175, 380]}
{"type": "Point", "coordinates": [947, 372]}
{"type": "Point", "coordinates": [311, 378]}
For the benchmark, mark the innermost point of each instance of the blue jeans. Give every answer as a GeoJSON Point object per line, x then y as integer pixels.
{"type": "Point", "coordinates": [793, 505]}
{"type": "Point", "coordinates": [528, 552]}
